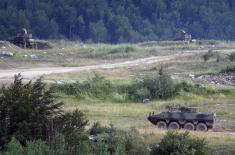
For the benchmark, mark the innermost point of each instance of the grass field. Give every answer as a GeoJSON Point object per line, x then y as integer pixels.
{"type": "Point", "coordinates": [129, 114]}
{"type": "Point", "coordinates": [79, 54]}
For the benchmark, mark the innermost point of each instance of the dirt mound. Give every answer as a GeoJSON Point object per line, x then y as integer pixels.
{"type": "Point", "coordinates": [7, 45]}
{"type": "Point", "coordinates": [222, 79]}
{"type": "Point", "coordinates": [42, 44]}
{"type": "Point", "coordinates": [36, 44]}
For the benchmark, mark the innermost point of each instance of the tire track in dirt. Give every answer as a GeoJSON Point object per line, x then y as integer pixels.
{"type": "Point", "coordinates": [36, 72]}
{"type": "Point", "coordinates": [32, 73]}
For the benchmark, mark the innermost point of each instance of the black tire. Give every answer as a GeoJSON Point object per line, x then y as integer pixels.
{"type": "Point", "coordinates": [174, 126]}
{"type": "Point", "coordinates": [161, 125]}
{"type": "Point", "coordinates": [201, 127]}
{"type": "Point", "coordinates": [189, 126]}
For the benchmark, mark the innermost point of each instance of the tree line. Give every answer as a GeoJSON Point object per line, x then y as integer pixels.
{"type": "Point", "coordinates": [112, 21]}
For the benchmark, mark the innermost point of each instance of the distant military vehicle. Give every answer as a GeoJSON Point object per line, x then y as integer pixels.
{"type": "Point", "coordinates": [184, 36]}
{"type": "Point", "coordinates": [188, 118]}
{"type": "Point", "coordinates": [24, 40]}
{"type": "Point", "coordinates": [21, 40]}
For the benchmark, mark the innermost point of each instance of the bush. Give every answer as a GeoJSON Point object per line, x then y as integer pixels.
{"type": "Point", "coordinates": [180, 144]}
{"type": "Point", "coordinates": [120, 98]}
{"type": "Point", "coordinates": [25, 110]}
{"type": "Point", "coordinates": [37, 147]}
{"type": "Point", "coordinates": [228, 69]}
{"type": "Point", "coordinates": [113, 141]}
{"type": "Point", "coordinates": [208, 55]}
{"type": "Point", "coordinates": [193, 88]}
{"type": "Point", "coordinates": [72, 126]}
{"type": "Point", "coordinates": [96, 129]}
{"type": "Point", "coordinates": [232, 57]}
{"type": "Point", "coordinates": [159, 86]}
{"type": "Point", "coordinates": [13, 148]}
{"type": "Point", "coordinates": [96, 87]}
{"type": "Point", "coordinates": [122, 49]}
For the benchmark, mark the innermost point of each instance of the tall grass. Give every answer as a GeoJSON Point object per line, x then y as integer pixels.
{"type": "Point", "coordinates": [157, 86]}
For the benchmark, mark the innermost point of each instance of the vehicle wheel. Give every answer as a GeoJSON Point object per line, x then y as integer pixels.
{"type": "Point", "coordinates": [161, 125]}
{"type": "Point", "coordinates": [189, 126]}
{"type": "Point", "coordinates": [201, 127]}
{"type": "Point", "coordinates": [174, 126]}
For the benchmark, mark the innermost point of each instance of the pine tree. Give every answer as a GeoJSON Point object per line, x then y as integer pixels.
{"type": "Point", "coordinates": [25, 109]}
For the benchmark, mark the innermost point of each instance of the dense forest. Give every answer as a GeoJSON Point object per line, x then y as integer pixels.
{"type": "Point", "coordinates": [115, 21]}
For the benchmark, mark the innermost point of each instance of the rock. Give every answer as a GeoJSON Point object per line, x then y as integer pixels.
{"type": "Point", "coordinates": [61, 54]}
{"type": "Point", "coordinates": [146, 100]}
{"type": "Point", "coordinates": [191, 76]}
{"type": "Point", "coordinates": [6, 54]}
{"type": "Point", "coordinates": [33, 56]}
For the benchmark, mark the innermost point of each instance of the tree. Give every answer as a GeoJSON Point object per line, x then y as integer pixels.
{"type": "Point", "coordinates": [180, 144]}
{"type": "Point", "coordinates": [98, 31]}
{"type": "Point", "coordinates": [25, 110]}
{"type": "Point", "coordinates": [72, 125]}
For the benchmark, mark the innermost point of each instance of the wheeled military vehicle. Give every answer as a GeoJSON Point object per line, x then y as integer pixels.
{"type": "Point", "coordinates": [188, 118]}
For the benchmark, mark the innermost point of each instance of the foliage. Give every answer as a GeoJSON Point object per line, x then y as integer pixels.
{"type": "Point", "coordinates": [25, 110]}
{"type": "Point", "coordinates": [96, 86]}
{"type": "Point", "coordinates": [208, 55]}
{"type": "Point", "coordinates": [96, 128]}
{"type": "Point", "coordinates": [198, 89]}
{"type": "Point", "coordinates": [72, 125]}
{"type": "Point", "coordinates": [13, 148]}
{"type": "Point", "coordinates": [70, 121]}
{"type": "Point", "coordinates": [58, 145]}
{"type": "Point", "coordinates": [114, 141]}
{"type": "Point", "coordinates": [157, 86]}
{"type": "Point", "coordinates": [228, 69]}
{"type": "Point", "coordinates": [37, 147]}
{"type": "Point", "coordinates": [180, 144]}
{"type": "Point", "coordinates": [232, 57]}
{"type": "Point", "coordinates": [118, 21]}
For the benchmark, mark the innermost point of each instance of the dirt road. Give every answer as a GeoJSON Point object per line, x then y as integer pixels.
{"type": "Point", "coordinates": [32, 73]}
{"type": "Point", "coordinates": [35, 72]}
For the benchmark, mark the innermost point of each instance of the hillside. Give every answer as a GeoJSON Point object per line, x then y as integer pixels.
{"type": "Point", "coordinates": [114, 21]}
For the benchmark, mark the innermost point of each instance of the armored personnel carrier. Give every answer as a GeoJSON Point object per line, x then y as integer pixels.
{"type": "Point", "coordinates": [188, 118]}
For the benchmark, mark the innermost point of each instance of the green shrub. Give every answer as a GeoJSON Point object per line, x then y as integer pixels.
{"type": "Point", "coordinates": [13, 148]}
{"type": "Point", "coordinates": [25, 109]}
{"type": "Point", "coordinates": [198, 89]}
{"type": "Point", "coordinates": [159, 86]}
{"type": "Point", "coordinates": [180, 144]}
{"type": "Point", "coordinates": [208, 55]}
{"type": "Point", "coordinates": [135, 143]}
{"type": "Point", "coordinates": [37, 147]}
{"type": "Point", "coordinates": [96, 128]}
{"type": "Point", "coordinates": [67, 88]}
{"type": "Point", "coordinates": [232, 57]}
{"type": "Point", "coordinates": [101, 148]}
{"type": "Point", "coordinates": [58, 144]}
{"type": "Point", "coordinates": [96, 87]}
{"type": "Point", "coordinates": [119, 98]}
{"type": "Point", "coordinates": [72, 126]}
{"type": "Point", "coordinates": [228, 69]}
{"type": "Point", "coordinates": [122, 49]}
